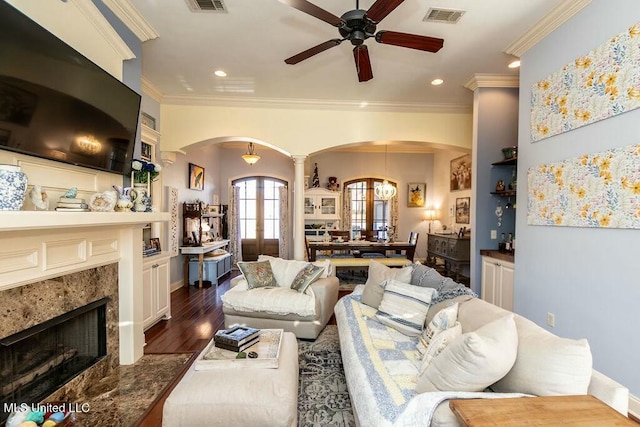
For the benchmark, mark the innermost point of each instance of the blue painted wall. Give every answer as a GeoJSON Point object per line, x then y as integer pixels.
{"type": "Point", "coordinates": [589, 278]}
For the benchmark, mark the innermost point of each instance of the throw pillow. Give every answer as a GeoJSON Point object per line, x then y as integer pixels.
{"type": "Point", "coordinates": [378, 273]}
{"type": "Point", "coordinates": [404, 307]}
{"type": "Point", "coordinates": [426, 276]}
{"type": "Point", "coordinates": [306, 277]}
{"type": "Point", "coordinates": [285, 270]}
{"type": "Point", "coordinates": [547, 365]}
{"type": "Point", "coordinates": [445, 319]}
{"type": "Point", "coordinates": [473, 361]}
{"type": "Point", "coordinates": [258, 274]}
{"type": "Point", "coordinates": [439, 342]}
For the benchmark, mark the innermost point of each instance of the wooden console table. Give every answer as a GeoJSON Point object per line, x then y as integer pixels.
{"type": "Point", "coordinates": [546, 411]}
{"type": "Point", "coordinates": [453, 250]}
{"type": "Point", "coordinates": [187, 251]}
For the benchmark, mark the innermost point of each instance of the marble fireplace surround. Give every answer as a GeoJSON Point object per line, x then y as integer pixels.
{"type": "Point", "coordinates": [36, 246]}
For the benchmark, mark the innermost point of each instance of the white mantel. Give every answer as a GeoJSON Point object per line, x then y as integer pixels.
{"type": "Point", "coordinates": [36, 246]}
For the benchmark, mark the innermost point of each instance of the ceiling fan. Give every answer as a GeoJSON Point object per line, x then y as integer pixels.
{"type": "Point", "coordinates": [358, 25]}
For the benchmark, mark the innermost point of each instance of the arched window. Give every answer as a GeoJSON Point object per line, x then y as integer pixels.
{"type": "Point", "coordinates": [367, 212]}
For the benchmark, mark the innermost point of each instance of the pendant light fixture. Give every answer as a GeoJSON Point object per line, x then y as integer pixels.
{"type": "Point", "coordinates": [250, 156]}
{"type": "Point", "coordinates": [385, 191]}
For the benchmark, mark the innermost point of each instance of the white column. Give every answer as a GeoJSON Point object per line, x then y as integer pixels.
{"type": "Point", "coordinates": [130, 295]}
{"type": "Point", "coordinates": [298, 207]}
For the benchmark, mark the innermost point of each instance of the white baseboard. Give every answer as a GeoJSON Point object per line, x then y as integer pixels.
{"type": "Point", "coordinates": [634, 406]}
{"type": "Point", "coordinates": [175, 286]}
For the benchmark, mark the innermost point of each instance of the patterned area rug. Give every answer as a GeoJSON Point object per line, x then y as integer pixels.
{"type": "Point", "coordinates": [350, 278]}
{"type": "Point", "coordinates": [323, 399]}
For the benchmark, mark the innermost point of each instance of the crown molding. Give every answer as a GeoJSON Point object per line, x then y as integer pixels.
{"type": "Point", "coordinates": [316, 104]}
{"type": "Point", "coordinates": [149, 89]}
{"type": "Point", "coordinates": [132, 18]}
{"type": "Point", "coordinates": [100, 23]}
{"type": "Point", "coordinates": [554, 19]}
{"type": "Point", "coordinates": [492, 80]}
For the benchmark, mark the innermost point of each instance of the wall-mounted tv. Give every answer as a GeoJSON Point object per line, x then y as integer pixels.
{"type": "Point", "coordinates": [57, 104]}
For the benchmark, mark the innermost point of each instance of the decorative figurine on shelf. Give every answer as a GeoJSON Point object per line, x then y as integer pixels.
{"type": "Point", "coordinates": [333, 184]}
{"type": "Point", "coordinates": [316, 179]}
{"type": "Point", "coordinates": [500, 186]}
{"type": "Point", "coordinates": [39, 198]}
{"type": "Point", "coordinates": [71, 193]}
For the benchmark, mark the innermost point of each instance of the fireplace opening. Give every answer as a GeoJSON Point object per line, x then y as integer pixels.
{"type": "Point", "coordinates": [38, 361]}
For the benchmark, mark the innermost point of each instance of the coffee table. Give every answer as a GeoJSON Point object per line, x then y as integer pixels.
{"type": "Point", "coordinates": [238, 396]}
{"type": "Point", "coordinates": [583, 410]}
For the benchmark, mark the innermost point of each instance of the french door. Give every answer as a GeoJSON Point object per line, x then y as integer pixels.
{"type": "Point", "coordinates": [259, 216]}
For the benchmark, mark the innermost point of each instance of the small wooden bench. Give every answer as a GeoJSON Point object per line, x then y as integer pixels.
{"type": "Point", "coordinates": [364, 262]}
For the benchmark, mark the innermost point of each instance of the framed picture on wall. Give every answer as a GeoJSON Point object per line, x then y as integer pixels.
{"type": "Point", "coordinates": [196, 177]}
{"type": "Point", "coordinates": [462, 210]}
{"type": "Point", "coordinates": [460, 173]}
{"type": "Point", "coordinates": [416, 193]}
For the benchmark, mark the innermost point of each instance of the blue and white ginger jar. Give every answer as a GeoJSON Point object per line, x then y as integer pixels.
{"type": "Point", "coordinates": [13, 187]}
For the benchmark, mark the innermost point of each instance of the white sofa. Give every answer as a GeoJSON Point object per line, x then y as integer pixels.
{"type": "Point", "coordinates": [381, 375]}
{"type": "Point", "coordinates": [304, 314]}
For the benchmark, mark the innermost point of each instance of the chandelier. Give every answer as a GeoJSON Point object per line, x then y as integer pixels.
{"type": "Point", "coordinates": [250, 156]}
{"type": "Point", "coordinates": [385, 191]}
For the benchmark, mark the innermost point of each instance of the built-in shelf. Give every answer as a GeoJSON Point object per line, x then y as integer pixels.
{"type": "Point", "coordinates": [506, 193]}
{"type": "Point", "coordinates": [512, 161]}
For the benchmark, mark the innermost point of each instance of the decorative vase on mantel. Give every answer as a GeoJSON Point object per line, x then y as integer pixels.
{"type": "Point", "coordinates": [141, 197]}
{"type": "Point", "coordinates": [13, 187]}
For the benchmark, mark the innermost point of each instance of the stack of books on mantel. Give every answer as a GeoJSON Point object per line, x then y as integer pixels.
{"type": "Point", "coordinates": [236, 338]}
{"type": "Point", "coordinates": [68, 204]}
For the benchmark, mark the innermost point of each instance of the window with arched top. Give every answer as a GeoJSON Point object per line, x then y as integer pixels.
{"type": "Point", "coordinates": [368, 215]}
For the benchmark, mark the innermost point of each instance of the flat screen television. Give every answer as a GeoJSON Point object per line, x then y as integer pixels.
{"type": "Point", "coordinates": [57, 104]}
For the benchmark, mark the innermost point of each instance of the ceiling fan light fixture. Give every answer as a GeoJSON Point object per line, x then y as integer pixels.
{"type": "Point", "coordinates": [250, 156]}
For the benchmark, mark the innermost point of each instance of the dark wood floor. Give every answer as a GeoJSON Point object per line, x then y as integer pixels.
{"type": "Point", "coordinates": [196, 314]}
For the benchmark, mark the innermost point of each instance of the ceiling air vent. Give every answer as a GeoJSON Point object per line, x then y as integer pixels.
{"type": "Point", "coordinates": [448, 16]}
{"type": "Point", "coordinates": [207, 6]}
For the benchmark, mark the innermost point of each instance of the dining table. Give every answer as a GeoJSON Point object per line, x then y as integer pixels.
{"type": "Point", "coordinates": [356, 248]}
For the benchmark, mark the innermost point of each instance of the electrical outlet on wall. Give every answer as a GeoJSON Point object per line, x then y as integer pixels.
{"type": "Point", "coordinates": [494, 234]}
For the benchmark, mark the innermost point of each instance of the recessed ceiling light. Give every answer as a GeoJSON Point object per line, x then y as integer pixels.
{"type": "Point", "coordinates": [437, 82]}
{"type": "Point", "coordinates": [363, 104]}
{"type": "Point", "coordinates": [514, 64]}
{"type": "Point", "coordinates": [220, 73]}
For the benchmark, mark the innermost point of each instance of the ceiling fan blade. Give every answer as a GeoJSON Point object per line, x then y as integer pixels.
{"type": "Point", "coordinates": [412, 41]}
{"type": "Point", "coordinates": [382, 8]}
{"type": "Point", "coordinates": [315, 11]}
{"type": "Point", "coordinates": [363, 63]}
{"type": "Point", "coordinates": [313, 51]}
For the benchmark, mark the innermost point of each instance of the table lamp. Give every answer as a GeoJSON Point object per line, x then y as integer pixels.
{"type": "Point", "coordinates": [430, 215]}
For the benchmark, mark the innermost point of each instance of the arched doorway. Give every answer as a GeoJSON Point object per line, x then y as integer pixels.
{"type": "Point", "coordinates": [259, 211]}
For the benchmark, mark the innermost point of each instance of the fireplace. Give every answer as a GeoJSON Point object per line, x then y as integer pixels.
{"type": "Point", "coordinates": [38, 361]}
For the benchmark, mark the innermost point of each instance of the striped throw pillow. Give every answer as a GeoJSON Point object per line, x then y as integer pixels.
{"type": "Point", "coordinates": [404, 307]}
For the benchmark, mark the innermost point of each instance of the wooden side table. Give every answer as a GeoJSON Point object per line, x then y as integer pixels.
{"type": "Point", "coordinates": [546, 411]}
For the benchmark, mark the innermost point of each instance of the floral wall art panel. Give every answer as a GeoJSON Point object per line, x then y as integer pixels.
{"type": "Point", "coordinates": [599, 85]}
{"type": "Point", "coordinates": [594, 190]}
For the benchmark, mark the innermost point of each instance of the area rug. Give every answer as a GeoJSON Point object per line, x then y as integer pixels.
{"type": "Point", "coordinates": [350, 278]}
{"type": "Point", "coordinates": [323, 399]}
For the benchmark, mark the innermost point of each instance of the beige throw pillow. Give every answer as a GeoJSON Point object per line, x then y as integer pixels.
{"type": "Point", "coordinates": [547, 365]}
{"type": "Point", "coordinates": [473, 361]}
{"type": "Point", "coordinates": [439, 342]}
{"type": "Point", "coordinates": [378, 273]}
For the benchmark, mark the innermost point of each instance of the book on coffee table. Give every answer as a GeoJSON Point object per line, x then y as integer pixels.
{"type": "Point", "coordinates": [267, 348]}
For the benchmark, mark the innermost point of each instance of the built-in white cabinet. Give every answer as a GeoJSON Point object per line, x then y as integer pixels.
{"type": "Point", "coordinates": [321, 204]}
{"type": "Point", "coordinates": [497, 282]}
{"type": "Point", "coordinates": [156, 280]}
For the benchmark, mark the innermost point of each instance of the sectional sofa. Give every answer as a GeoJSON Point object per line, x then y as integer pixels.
{"type": "Point", "coordinates": [389, 385]}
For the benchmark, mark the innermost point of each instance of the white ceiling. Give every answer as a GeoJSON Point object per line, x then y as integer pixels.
{"type": "Point", "coordinates": [251, 41]}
